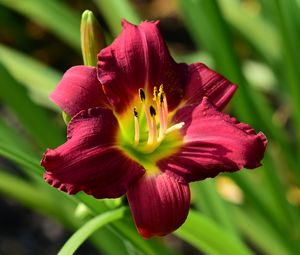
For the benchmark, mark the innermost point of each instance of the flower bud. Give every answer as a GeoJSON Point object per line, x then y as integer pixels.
{"type": "Point", "coordinates": [92, 38]}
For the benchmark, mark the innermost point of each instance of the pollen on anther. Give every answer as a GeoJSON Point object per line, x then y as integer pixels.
{"type": "Point", "coordinates": [161, 88]}
{"type": "Point", "coordinates": [155, 93]}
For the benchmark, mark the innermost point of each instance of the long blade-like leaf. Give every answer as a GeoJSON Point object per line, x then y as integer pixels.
{"type": "Point", "coordinates": [205, 235]}
{"type": "Point", "coordinates": [89, 228]}
{"type": "Point", "coordinates": [34, 118]}
{"type": "Point", "coordinates": [39, 79]}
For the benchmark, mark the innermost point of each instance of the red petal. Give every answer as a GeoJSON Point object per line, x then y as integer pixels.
{"type": "Point", "coordinates": [213, 143]}
{"type": "Point", "coordinates": [206, 82]}
{"type": "Point", "coordinates": [79, 90]}
{"type": "Point", "coordinates": [139, 58]}
{"type": "Point", "coordinates": [89, 161]}
{"type": "Point", "coordinates": [159, 204]}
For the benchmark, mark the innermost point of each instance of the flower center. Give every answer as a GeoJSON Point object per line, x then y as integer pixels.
{"type": "Point", "coordinates": [153, 138]}
{"type": "Point", "coordinates": [157, 120]}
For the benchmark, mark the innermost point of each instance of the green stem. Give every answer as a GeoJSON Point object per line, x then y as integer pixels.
{"type": "Point", "coordinates": [89, 228]}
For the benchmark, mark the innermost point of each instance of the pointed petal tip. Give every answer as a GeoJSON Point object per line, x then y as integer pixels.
{"type": "Point", "coordinates": [156, 23]}
{"type": "Point", "coordinates": [125, 23]}
{"type": "Point", "coordinates": [214, 142]}
{"type": "Point", "coordinates": [205, 82]}
{"type": "Point", "coordinates": [137, 58]}
{"type": "Point", "coordinates": [148, 234]}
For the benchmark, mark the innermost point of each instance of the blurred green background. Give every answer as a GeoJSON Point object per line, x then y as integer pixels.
{"type": "Point", "coordinates": [254, 43]}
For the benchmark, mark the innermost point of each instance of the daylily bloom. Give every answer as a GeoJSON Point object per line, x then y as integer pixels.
{"type": "Point", "coordinates": [145, 126]}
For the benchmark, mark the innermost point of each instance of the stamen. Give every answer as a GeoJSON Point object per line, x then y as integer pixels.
{"type": "Point", "coordinates": [161, 120]}
{"type": "Point", "coordinates": [136, 127]}
{"type": "Point", "coordinates": [154, 139]}
{"type": "Point", "coordinates": [154, 131]}
{"type": "Point", "coordinates": [143, 98]}
{"type": "Point", "coordinates": [163, 112]}
{"type": "Point", "coordinates": [175, 127]}
{"type": "Point", "coordinates": [164, 115]}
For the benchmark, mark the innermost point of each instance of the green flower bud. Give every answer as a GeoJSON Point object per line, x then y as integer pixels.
{"type": "Point", "coordinates": [92, 38]}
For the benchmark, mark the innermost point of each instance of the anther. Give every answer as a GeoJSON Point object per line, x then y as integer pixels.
{"type": "Point", "coordinates": [142, 95]}
{"type": "Point", "coordinates": [135, 112]}
{"type": "Point", "coordinates": [152, 111]}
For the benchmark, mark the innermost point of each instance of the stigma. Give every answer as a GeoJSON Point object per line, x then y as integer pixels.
{"type": "Point", "coordinates": [155, 110]}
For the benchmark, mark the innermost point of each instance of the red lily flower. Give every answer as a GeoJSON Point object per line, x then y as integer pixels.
{"type": "Point", "coordinates": [145, 126]}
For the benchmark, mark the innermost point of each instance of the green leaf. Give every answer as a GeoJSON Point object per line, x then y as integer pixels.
{"type": "Point", "coordinates": [34, 118]}
{"type": "Point", "coordinates": [53, 15]}
{"type": "Point", "coordinates": [89, 228]}
{"type": "Point", "coordinates": [287, 24]}
{"type": "Point", "coordinates": [26, 193]}
{"type": "Point", "coordinates": [207, 237]}
{"type": "Point", "coordinates": [9, 137]}
{"type": "Point", "coordinates": [126, 229]}
{"type": "Point", "coordinates": [262, 234]}
{"type": "Point", "coordinates": [208, 199]}
{"type": "Point", "coordinates": [39, 79]}
{"type": "Point", "coordinates": [16, 148]}
{"type": "Point", "coordinates": [254, 28]}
